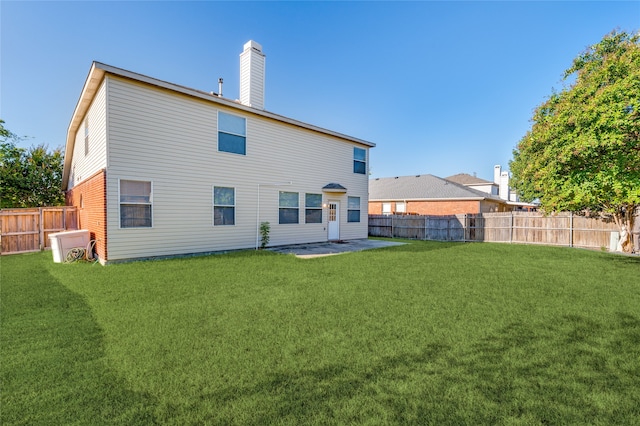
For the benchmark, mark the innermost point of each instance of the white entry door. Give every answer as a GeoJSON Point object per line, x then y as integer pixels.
{"type": "Point", "coordinates": [333, 227]}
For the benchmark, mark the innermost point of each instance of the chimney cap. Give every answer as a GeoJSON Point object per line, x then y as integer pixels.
{"type": "Point", "coordinates": [253, 45]}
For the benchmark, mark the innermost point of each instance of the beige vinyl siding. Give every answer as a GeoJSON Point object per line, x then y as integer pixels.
{"type": "Point", "coordinates": [85, 166]}
{"type": "Point", "coordinates": [171, 140]}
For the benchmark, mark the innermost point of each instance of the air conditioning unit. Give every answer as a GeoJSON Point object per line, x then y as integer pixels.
{"type": "Point", "coordinates": [63, 242]}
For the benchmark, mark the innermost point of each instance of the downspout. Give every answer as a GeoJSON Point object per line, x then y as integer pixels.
{"type": "Point", "coordinates": [258, 218]}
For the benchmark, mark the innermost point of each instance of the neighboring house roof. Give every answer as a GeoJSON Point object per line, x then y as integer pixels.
{"type": "Point", "coordinates": [423, 187]}
{"type": "Point", "coordinates": [467, 179]}
{"type": "Point", "coordinates": [98, 71]}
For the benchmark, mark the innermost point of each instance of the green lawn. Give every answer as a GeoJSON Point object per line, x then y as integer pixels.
{"type": "Point", "coordinates": [424, 333]}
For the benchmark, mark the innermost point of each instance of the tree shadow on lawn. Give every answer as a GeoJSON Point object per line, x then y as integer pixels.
{"type": "Point", "coordinates": [569, 370]}
{"type": "Point", "coordinates": [624, 259]}
{"type": "Point", "coordinates": [53, 369]}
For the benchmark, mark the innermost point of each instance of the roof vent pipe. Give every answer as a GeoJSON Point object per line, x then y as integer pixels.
{"type": "Point", "coordinates": [220, 87]}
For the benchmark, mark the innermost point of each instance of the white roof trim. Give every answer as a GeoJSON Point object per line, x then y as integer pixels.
{"type": "Point", "coordinates": [98, 71]}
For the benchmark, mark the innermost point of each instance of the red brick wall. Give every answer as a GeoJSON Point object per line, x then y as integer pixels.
{"type": "Point", "coordinates": [90, 197]}
{"type": "Point", "coordinates": [375, 207]}
{"type": "Point", "coordinates": [443, 208]}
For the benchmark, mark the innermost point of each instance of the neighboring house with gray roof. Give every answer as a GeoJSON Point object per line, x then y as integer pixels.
{"type": "Point", "coordinates": [499, 188]}
{"type": "Point", "coordinates": [475, 183]}
{"type": "Point", "coordinates": [429, 195]}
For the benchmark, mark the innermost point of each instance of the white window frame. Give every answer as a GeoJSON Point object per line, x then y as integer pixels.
{"type": "Point", "coordinates": [232, 133]}
{"type": "Point", "coordinates": [349, 210]}
{"type": "Point", "coordinates": [121, 203]}
{"type": "Point", "coordinates": [213, 196]}
{"type": "Point", "coordinates": [306, 207]}
{"type": "Point", "coordinates": [297, 208]}
{"type": "Point", "coordinates": [359, 161]}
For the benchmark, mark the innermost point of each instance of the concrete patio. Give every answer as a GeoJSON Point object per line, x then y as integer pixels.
{"type": "Point", "coordinates": [329, 248]}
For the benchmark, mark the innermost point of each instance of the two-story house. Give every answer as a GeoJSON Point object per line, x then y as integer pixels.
{"type": "Point", "coordinates": [158, 169]}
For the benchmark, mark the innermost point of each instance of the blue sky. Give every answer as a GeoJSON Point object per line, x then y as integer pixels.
{"type": "Point", "coordinates": [441, 87]}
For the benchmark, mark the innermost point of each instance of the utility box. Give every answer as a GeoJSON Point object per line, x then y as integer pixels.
{"type": "Point", "coordinates": [62, 242]}
{"type": "Point", "coordinates": [613, 240]}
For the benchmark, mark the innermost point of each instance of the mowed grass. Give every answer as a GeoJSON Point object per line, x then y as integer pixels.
{"type": "Point", "coordinates": [424, 333]}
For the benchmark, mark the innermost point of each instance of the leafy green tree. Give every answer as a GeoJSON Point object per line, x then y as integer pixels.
{"type": "Point", "coordinates": [29, 177]}
{"type": "Point", "coordinates": [4, 133]}
{"type": "Point", "coordinates": [582, 152]}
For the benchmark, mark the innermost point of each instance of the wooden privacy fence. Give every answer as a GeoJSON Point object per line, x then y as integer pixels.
{"type": "Point", "coordinates": [27, 230]}
{"type": "Point", "coordinates": [562, 229]}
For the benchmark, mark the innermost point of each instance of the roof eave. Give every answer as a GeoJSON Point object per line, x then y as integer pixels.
{"type": "Point", "coordinates": [520, 203]}
{"type": "Point", "coordinates": [212, 97]}
{"type": "Point", "coordinates": [97, 73]}
{"type": "Point", "coordinates": [91, 85]}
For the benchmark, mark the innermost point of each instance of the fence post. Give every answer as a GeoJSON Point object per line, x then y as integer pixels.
{"type": "Point", "coordinates": [425, 228]}
{"type": "Point", "coordinates": [464, 238]}
{"type": "Point", "coordinates": [570, 229]}
{"type": "Point", "coordinates": [393, 234]}
{"type": "Point", "coordinates": [467, 226]}
{"type": "Point", "coordinates": [41, 226]}
{"type": "Point", "coordinates": [511, 230]}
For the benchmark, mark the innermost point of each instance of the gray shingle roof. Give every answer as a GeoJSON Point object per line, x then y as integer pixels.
{"type": "Point", "coordinates": [422, 187]}
{"type": "Point", "coordinates": [334, 187]}
{"type": "Point", "coordinates": [467, 179]}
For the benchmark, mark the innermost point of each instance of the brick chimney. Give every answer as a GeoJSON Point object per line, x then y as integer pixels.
{"type": "Point", "coordinates": [252, 67]}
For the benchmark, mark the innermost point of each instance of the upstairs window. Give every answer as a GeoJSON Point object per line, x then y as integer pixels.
{"type": "Point", "coordinates": [360, 161]}
{"type": "Point", "coordinates": [353, 209]}
{"type": "Point", "coordinates": [289, 207]}
{"type": "Point", "coordinates": [135, 204]}
{"type": "Point", "coordinates": [224, 206]}
{"type": "Point", "coordinates": [313, 208]}
{"type": "Point", "coordinates": [232, 133]}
